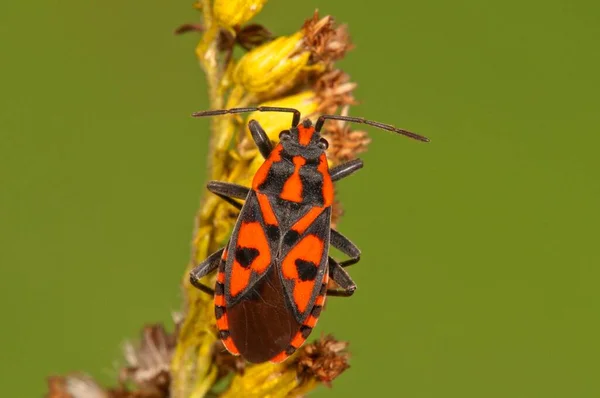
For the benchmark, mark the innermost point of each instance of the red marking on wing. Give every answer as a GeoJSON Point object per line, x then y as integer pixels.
{"type": "Point", "coordinates": [302, 224]}
{"type": "Point", "coordinates": [311, 321]}
{"type": "Point", "coordinates": [320, 300]}
{"type": "Point", "coordinates": [292, 189]}
{"type": "Point", "coordinates": [266, 209]}
{"type": "Point", "coordinates": [263, 171]}
{"type": "Point", "coordinates": [282, 356]}
{"type": "Point", "coordinates": [305, 134]}
{"type": "Point", "coordinates": [221, 311]}
{"type": "Point", "coordinates": [228, 343]}
{"type": "Point", "coordinates": [323, 168]}
{"type": "Point", "coordinates": [302, 292]}
{"type": "Point", "coordinates": [223, 322]}
{"type": "Point", "coordinates": [250, 235]}
{"type": "Point", "coordinates": [310, 249]}
{"type": "Point", "coordinates": [240, 277]}
{"type": "Point", "coordinates": [298, 340]}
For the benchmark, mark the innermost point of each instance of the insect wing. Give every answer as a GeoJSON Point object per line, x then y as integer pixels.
{"type": "Point", "coordinates": [304, 264]}
{"type": "Point", "coordinates": [249, 252]}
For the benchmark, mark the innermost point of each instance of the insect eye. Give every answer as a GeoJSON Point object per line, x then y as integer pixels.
{"type": "Point", "coordinates": [323, 143]}
{"type": "Point", "coordinates": [284, 135]}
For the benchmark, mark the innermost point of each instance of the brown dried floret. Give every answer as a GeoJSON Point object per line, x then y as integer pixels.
{"type": "Point", "coordinates": [74, 386]}
{"type": "Point", "coordinates": [148, 364]}
{"type": "Point", "coordinates": [324, 360]}
{"type": "Point", "coordinates": [226, 362]}
{"type": "Point", "coordinates": [344, 144]}
{"type": "Point", "coordinates": [326, 41]}
{"type": "Point", "coordinates": [334, 89]}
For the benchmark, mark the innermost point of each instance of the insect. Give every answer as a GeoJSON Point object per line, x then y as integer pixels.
{"type": "Point", "coordinates": [273, 274]}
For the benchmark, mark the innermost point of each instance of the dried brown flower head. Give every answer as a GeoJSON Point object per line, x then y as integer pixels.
{"type": "Point", "coordinates": [148, 364]}
{"type": "Point", "coordinates": [344, 143]}
{"type": "Point", "coordinates": [326, 42]}
{"type": "Point", "coordinates": [74, 386]}
{"type": "Point", "coordinates": [334, 89]}
{"type": "Point", "coordinates": [226, 362]}
{"type": "Point", "coordinates": [325, 359]}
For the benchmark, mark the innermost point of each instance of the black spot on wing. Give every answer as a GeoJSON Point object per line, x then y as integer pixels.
{"type": "Point", "coordinates": [307, 270]}
{"type": "Point", "coordinates": [223, 334]}
{"type": "Point", "coordinates": [291, 237]}
{"type": "Point", "coordinates": [219, 311]}
{"type": "Point", "coordinates": [305, 330]}
{"type": "Point", "coordinates": [246, 255]}
{"type": "Point", "coordinates": [323, 289]}
{"type": "Point", "coordinates": [219, 289]}
{"type": "Point", "coordinates": [272, 233]}
{"type": "Point", "coordinates": [316, 311]}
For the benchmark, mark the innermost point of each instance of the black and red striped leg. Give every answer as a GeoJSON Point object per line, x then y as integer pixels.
{"type": "Point", "coordinates": [204, 268]}
{"type": "Point", "coordinates": [344, 170]}
{"type": "Point", "coordinates": [343, 280]}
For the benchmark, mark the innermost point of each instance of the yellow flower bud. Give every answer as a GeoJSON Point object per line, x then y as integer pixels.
{"type": "Point", "coordinates": [264, 380]}
{"type": "Point", "coordinates": [273, 66]}
{"type": "Point", "coordinates": [274, 122]}
{"type": "Point", "coordinates": [232, 13]}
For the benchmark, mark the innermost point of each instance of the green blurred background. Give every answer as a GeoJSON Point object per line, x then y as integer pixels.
{"type": "Point", "coordinates": [480, 269]}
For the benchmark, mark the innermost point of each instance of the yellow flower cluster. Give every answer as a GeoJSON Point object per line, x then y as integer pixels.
{"type": "Point", "coordinates": [296, 71]}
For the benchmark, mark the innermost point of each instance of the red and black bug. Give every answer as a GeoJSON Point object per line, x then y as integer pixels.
{"type": "Point", "coordinates": [273, 274]}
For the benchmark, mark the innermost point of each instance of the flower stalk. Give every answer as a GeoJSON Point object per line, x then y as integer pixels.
{"type": "Point", "coordinates": [297, 71]}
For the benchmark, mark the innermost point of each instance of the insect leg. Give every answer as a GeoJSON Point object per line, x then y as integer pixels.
{"type": "Point", "coordinates": [261, 139]}
{"type": "Point", "coordinates": [204, 268]}
{"type": "Point", "coordinates": [227, 191]}
{"type": "Point", "coordinates": [344, 170]}
{"type": "Point", "coordinates": [341, 277]}
{"type": "Point", "coordinates": [344, 245]}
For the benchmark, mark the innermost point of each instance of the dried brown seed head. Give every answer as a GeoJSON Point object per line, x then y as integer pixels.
{"type": "Point", "coordinates": [149, 362]}
{"type": "Point", "coordinates": [344, 144]}
{"type": "Point", "coordinates": [324, 360]}
{"type": "Point", "coordinates": [326, 42]}
{"type": "Point", "coordinates": [74, 386]}
{"type": "Point", "coordinates": [226, 362]}
{"type": "Point", "coordinates": [334, 89]}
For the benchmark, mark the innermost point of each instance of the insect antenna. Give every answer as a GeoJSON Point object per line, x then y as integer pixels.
{"type": "Point", "coordinates": [382, 126]}
{"type": "Point", "coordinates": [216, 112]}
